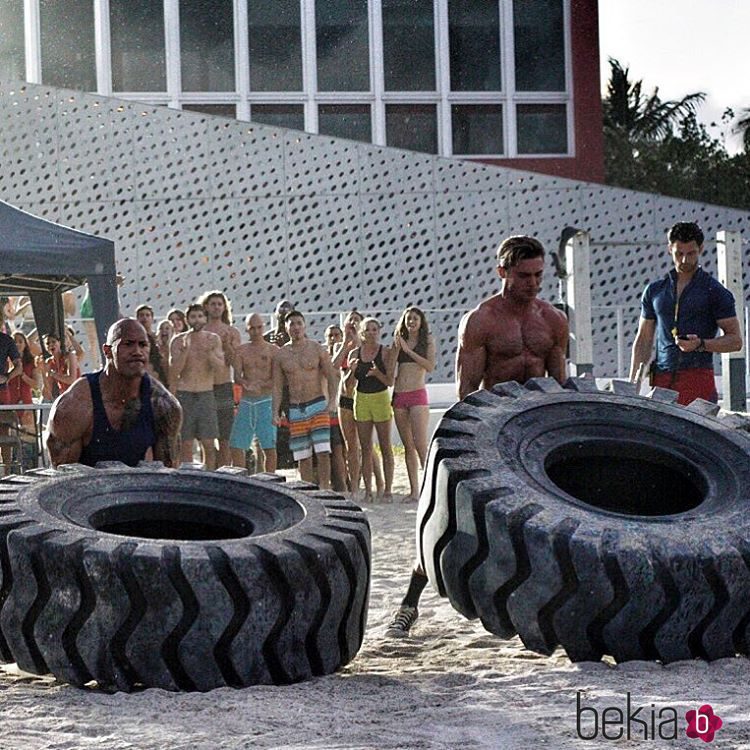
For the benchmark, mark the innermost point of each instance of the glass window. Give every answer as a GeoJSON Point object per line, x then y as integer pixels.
{"type": "Point", "coordinates": [12, 57]}
{"type": "Point", "coordinates": [343, 45]}
{"type": "Point", "coordinates": [409, 45]}
{"type": "Point", "coordinates": [207, 45]}
{"type": "Point", "coordinates": [222, 110]}
{"type": "Point", "coordinates": [345, 121]}
{"type": "Point", "coordinates": [280, 115]}
{"type": "Point", "coordinates": [542, 129]}
{"type": "Point", "coordinates": [477, 128]}
{"type": "Point", "coordinates": [412, 126]}
{"type": "Point", "coordinates": [275, 45]}
{"type": "Point", "coordinates": [474, 38]}
{"type": "Point", "coordinates": [137, 33]}
{"type": "Point", "coordinates": [67, 41]}
{"type": "Point", "coordinates": [539, 45]}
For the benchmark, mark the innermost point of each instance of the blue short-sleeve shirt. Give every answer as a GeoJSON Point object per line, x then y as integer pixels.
{"type": "Point", "coordinates": [703, 302]}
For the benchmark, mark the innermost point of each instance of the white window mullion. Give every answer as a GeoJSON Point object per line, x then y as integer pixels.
{"type": "Point", "coordinates": [103, 46]}
{"type": "Point", "coordinates": [241, 59]}
{"type": "Point", "coordinates": [309, 64]}
{"type": "Point", "coordinates": [172, 51]}
{"type": "Point", "coordinates": [33, 40]}
{"type": "Point", "coordinates": [508, 57]}
{"type": "Point", "coordinates": [569, 82]}
{"type": "Point", "coordinates": [443, 78]}
{"type": "Point", "coordinates": [377, 71]}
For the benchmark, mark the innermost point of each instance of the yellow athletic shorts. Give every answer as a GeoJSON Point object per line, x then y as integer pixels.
{"type": "Point", "coordinates": [372, 407]}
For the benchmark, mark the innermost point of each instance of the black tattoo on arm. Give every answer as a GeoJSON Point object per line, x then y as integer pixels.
{"type": "Point", "coordinates": [167, 421]}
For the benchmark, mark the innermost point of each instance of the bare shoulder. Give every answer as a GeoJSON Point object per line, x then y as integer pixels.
{"type": "Point", "coordinates": [475, 322]}
{"type": "Point", "coordinates": [554, 315]}
{"type": "Point", "coordinates": [166, 408]}
{"type": "Point", "coordinates": [72, 411]}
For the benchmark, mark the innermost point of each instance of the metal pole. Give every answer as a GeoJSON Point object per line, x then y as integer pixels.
{"type": "Point", "coordinates": [577, 262]}
{"type": "Point", "coordinates": [729, 256]}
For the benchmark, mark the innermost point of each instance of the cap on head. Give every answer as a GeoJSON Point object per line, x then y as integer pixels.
{"type": "Point", "coordinates": [284, 306]}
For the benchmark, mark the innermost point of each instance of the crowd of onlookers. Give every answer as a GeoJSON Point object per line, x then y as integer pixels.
{"type": "Point", "coordinates": [235, 395]}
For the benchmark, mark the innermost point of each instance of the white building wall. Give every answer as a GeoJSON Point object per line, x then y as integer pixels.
{"type": "Point", "coordinates": [195, 202]}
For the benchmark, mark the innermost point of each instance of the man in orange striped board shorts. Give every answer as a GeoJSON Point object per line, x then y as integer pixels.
{"type": "Point", "coordinates": [302, 365]}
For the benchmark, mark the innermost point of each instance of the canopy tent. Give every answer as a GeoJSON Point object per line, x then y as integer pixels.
{"type": "Point", "coordinates": [44, 259]}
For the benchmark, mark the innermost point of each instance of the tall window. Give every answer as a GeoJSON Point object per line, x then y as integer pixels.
{"type": "Point", "coordinates": [138, 57]}
{"type": "Point", "coordinates": [12, 56]}
{"type": "Point", "coordinates": [207, 45]}
{"type": "Point", "coordinates": [342, 38]}
{"type": "Point", "coordinates": [67, 44]}
{"type": "Point", "coordinates": [474, 37]}
{"type": "Point", "coordinates": [409, 45]}
{"type": "Point", "coordinates": [275, 45]}
{"type": "Point", "coordinates": [539, 39]}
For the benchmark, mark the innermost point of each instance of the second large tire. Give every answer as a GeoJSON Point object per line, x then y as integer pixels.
{"type": "Point", "coordinates": [607, 523]}
{"type": "Point", "coordinates": [178, 579]}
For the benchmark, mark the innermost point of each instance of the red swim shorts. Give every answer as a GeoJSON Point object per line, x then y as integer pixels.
{"type": "Point", "coordinates": [697, 382]}
{"type": "Point", "coordinates": [405, 399]}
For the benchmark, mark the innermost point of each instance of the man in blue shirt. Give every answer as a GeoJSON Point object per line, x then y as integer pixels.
{"type": "Point", "coordinates": [684, 311]}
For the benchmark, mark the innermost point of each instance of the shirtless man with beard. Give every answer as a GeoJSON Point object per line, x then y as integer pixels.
{"type": "Point", "coordinates": [219, 314]}
{"type": "Point", "coordinates": [195, 359]}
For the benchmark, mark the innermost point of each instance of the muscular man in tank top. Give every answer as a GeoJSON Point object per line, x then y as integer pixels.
{"type": "Point", "coordinates": [113, 415]}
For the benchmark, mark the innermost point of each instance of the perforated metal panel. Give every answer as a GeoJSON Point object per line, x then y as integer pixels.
{"type": "Point", "coordinates": [195, 202]}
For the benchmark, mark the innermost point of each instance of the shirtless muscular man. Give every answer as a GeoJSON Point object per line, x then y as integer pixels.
{"type": "Point", "coordinates": [509, 336]}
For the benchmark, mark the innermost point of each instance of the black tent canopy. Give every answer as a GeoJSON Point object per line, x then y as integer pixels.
{"type": "Point", "coordinates": [44, 259]}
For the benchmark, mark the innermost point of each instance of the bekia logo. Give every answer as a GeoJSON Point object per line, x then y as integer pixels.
{"type": "Point", "coordinates": [650, 722]}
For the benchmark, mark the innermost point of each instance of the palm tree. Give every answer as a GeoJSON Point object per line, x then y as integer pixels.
{"type": "Point", "coordinates": [633, 115]}
{"type": "Point", "coordinates": [742, 126]}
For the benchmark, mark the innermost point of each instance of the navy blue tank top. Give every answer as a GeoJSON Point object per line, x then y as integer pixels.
{"type": "Point", "coordinates": [108, 444]}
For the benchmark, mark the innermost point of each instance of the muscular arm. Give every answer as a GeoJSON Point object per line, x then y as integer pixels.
{"type": "Point", "coordinates": [167, 421]}
{"type": "Point", "coordinates": [555, 362]}
{"type": "Point", "coordinates": [730, 341]}
{"type": "Point", "coordinates": [471, 357]}
{"type": "Point", "coordinates": [69, 421]}
{"type": "Point", "coordinates": [642, 346]}
{"type": "Point", "coordinates": [234, 340]}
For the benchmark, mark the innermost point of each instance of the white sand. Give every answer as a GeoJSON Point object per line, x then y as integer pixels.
{"type": "Point", "coordinates": [451, 685]}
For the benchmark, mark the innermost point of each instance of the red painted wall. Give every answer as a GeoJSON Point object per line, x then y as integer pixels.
{"type": "Point", "coordinates": [588, 162]}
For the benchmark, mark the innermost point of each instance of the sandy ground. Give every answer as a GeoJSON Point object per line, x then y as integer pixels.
{"type": "Point", "coordinates": [450, 685]}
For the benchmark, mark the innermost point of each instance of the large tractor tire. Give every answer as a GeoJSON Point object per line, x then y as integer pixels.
{"type": "Point", "coordinates": [179, 579]}
{"type": "Point", "coordinates": [604, 522]}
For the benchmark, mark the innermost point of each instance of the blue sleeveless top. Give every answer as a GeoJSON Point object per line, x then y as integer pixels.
{"type": "Point", "coordinates": [108, 444]}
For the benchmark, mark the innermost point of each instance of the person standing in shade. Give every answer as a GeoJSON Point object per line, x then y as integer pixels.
{"type": "Point", "coordinates": [684, 311]}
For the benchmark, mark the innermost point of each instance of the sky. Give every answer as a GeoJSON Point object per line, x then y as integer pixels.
{"type": "Point", "coordinates": [682, 46]}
